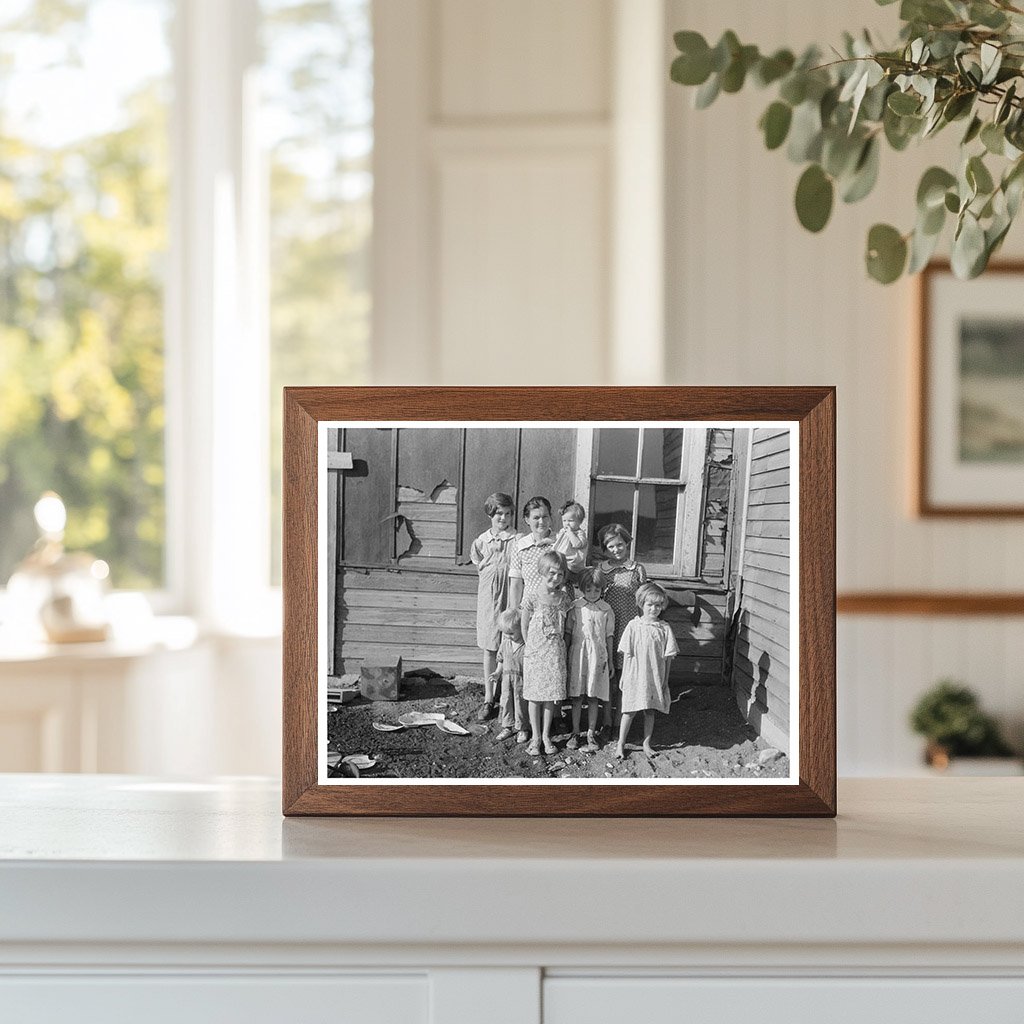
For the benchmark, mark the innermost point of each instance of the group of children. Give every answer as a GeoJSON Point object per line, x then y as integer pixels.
{"type": "Point", "coordinates": [553, 628]}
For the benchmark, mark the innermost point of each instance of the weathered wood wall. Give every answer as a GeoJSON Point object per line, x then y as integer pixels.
{"type": "Point", "coordinates": [760, 670]}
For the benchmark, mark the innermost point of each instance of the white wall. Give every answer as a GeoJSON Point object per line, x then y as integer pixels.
{"type": "Point", "coordinates": [754, 299]}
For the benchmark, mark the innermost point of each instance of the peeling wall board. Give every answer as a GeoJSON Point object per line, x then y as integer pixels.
{"type": "Point", "coordinates": [427, 511]}
{"type": "Point", "coordinates": [427, 456]}
{"type": "Point", "coordinates": [366, 497]}
{"type": "Point", "coordinates": [384, 579]}
{"type": "Point", "coordinates": [426, 548]}
{"type": "Point", "coordinates": [548, 467]}
{"type": "Point", "coordinates": [490, 465]}
{"type": "Point", "coordinates": [429, 529]}
{"type": "Point", "coordinates": [429, 560]}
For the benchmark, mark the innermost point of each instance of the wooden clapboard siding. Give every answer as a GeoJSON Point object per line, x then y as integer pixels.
{"type": "Point", "coordinates": [427, 618]}
{"type": "Point", "coordinates": [761, 650]}
{"type": "Point", "coordinates": [547, 466]}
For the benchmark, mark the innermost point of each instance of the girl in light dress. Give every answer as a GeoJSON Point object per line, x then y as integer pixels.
{"type": "Point", "coordinates": [491, 553]}
{"type": "Point", "coordinates": [591, 656]}
{"type": "Point", "coordinates": [648, 647]}
{"type": "Point", "coordinates": [514, 713]}
{"type": "Point", "coordinates": [623, 578]}
{"type": "Point", "coordinates": [546, 621]}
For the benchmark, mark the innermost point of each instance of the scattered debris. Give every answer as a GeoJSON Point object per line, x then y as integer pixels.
{"type": "Point", "coordinates": [453, 727]}
{"type": "Point", "coordinates": [414, 719]}
{"type": "Point", "coordinates": [378, 680]}
{"type": "Point", "coordinates": [387, 727]}
{"type": "Point", "coordinates": [769, 756]}
{"type": "Point", "coordinates": [362, 761]}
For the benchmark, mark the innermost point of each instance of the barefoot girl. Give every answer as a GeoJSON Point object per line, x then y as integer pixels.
{"type": "Point", "coordinates": [490, 554]}
{"type": "Point", "coordinates": [648, 648]}
{"type": "Point", "coordinates": [591, 657]}
{"type": "Point", "coordinates": [546, 618]}
{"type": "Point", "coordinates": [514, 713]}
{"type": "Point", "coordinates": [623, 577]}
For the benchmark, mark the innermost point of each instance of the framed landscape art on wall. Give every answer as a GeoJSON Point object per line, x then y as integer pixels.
{"type": "Point", "coordinates": [970, 445]}
{"type": "Point", "coordinates": [559, 601]}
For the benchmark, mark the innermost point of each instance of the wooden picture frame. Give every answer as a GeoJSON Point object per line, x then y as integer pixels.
{"type": "Point", "coordinates": [808, 416]}
{"type": "Point", "coordinates": [960, 471]}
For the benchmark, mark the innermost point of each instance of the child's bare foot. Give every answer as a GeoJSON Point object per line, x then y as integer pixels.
{"type": "Point", "coordinates": [620, 752]}
{"type": "Point", "coordinates": [522, 736]}
{"type": "Point", "coordinates": [591, 745]}
{"type": "Point", "coordinates": [505, 734]}
{"type": "Point", "coordinates": [573, 742]}
{"type": "Point", "coordinates": [534, 748]}
{"type": "Point", "coordinates": [648, 749]}
{"type": "Point", "coordinates": [549, 747]}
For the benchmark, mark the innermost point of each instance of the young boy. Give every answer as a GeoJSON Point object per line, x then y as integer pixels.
{"type": "Point", "coordinates": [513, 712]}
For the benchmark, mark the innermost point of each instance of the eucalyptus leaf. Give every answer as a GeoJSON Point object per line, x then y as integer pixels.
{"type": "Point", "coordinates": [805, 133]}
{"type": "Point", "coordinates": [931, 190]}
{"type": "Point", "coordinates": [775, 124]}
{"type": "Point", "coordinates": [973, 130]}
{"type": "Point", "coordinates": [886, 254]}
{"type": "Point", "coordinates": [952, 202]}
{"type": "Point", "coordinates": [865, 173]}
{"type": "Point", "coordinates": [794, 88]}
{"type": "Point", "coordinates": [922, 248]}
{"type": "Point", "coordinates": [993, 138]}
{"type": "Point", "coordinates": [707, 93]}
{"type": "Point", "coordinates": [724, 51]}
{"type": "Point", "coordinates": [771, 69]}
{"type": "Point", "coordinates": [968, 247]}
{"type": "Point", "coordinates": [904, 103]}
{"type": "Point", "coordinates": [991, 60]}
{"type": "Point", "coordinates": [979, 177]}
{"type": "Point", "coordinates": [814, 194]}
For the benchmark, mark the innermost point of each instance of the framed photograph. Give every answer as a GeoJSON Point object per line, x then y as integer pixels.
{"type": "Point", "coordinates": [970, 445]}
{"type": "Point", "coordinates": [559, 601]}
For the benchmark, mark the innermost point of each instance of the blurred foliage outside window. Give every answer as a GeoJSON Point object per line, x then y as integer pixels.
{"type": "Point", "coordinates": [85, 102]}
{"type": "Point", "coordinates": [317, 120]}
{"type": "Point", "coordinates": [83, 235]}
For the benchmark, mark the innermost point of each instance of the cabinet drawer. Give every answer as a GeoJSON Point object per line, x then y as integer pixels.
{"type": "Point", "coordinates": [223, 999]}
{"type": "Point", "coordinates": [665, 1000]}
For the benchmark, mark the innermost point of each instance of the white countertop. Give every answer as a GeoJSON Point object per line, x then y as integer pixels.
{"type": "Point", "coordinates": [124, 859]}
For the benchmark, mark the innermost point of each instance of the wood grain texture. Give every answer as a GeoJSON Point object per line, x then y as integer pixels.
{"type": "Point", "coordinates": [925, 603]}
{"type": "Point", "coordinates": [813, 407]}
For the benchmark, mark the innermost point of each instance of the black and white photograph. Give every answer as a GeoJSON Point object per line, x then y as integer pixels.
{"type": "Point", "coordinates": [576, 602]}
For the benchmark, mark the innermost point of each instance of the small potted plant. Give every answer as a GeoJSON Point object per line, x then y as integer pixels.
{"type": "Point", "coordinates": [950, 717]}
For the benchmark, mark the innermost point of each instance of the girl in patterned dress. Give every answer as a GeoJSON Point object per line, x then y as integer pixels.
{"type": "Point", "coordinates": [490, 554]}
{"type": "Point", "coordinates": [591, 656]}
{"type": "Point", "coordinates": [648, 647]}
{"type": "Point", "coordinates": [623, 578]}
{"type": "Point", "coordinates": [546, 620]}
{"type": "Point", "coordinates": [523, 576]}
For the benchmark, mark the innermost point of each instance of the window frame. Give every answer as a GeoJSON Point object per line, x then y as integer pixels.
{"type": "Point", "coordinates": [689, 498]}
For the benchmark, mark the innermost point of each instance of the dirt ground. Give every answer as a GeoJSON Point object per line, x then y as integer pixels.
{"type": "Point", "coordinates": [703, 737]}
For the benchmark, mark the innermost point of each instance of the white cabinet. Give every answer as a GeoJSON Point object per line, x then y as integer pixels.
{"type": "Point", "coordinates": [132, 897]}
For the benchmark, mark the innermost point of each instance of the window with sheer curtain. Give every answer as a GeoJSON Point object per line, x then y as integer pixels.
{"type": "Point", "coordinates": [100, 162]}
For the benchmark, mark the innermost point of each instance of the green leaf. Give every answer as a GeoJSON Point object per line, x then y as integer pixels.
{"type": "Point", "coordinates": [839, 151]}
{"type": "Point", "coordinates": [958, 105]}
{"type": "Point", "coordinates": [952, 202]}
{"type": "Point", "coordinates": [922, 247]}
{"type": "Point", "coordinates": [1004, 106]}
{"type": "Point", "coordinates": [707, 93]}
{"type": "Point", "coordinates": [987, 15]}
{"type": "Point", "coordinates": [865, 173]}
{"type": "Point", "coordinates": [887, 253]}
{"type": "Point", "coordinates": [736, 73]}
{"type": "Point", "coordinates": [693, 65]}
{"type": "Point", "coordinates": [725, 50]}
{"type": "Point", "coordinates": [903, 103]}
{"type": "Point", "coordinates": [775, 124]}
{"type": "Point", "coordinates": [972, 131]}
{"type": "Point", "coordinates": [692, 68]}
{"type": "Point", "coordinates": [991, 60]}
{"type": "Point", "coordinates": [968, 257]}
{"type": "Point", "coordinates": [805, 133]}
{"type": "Point", "coordinates": [771, 69]}
{"type": "Point", "coordinates": [931, 191]}
{"type": "Point", "coordinates": [993, 138]}
{"type": "Point", "coordinates": [794, 89]}
{"type": "Point", "coordinates": [814, 195]}
{"type": "Point", "coordinates": [978, 176]}
{"type": "Point", "coordinates": [900, 130]}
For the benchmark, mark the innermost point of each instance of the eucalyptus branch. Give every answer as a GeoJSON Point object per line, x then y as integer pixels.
{"type": "Point", "coordinates": [834, 116]}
